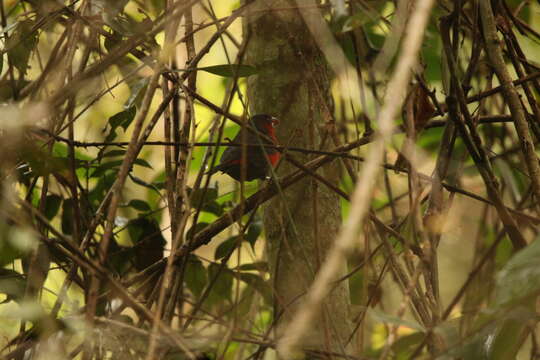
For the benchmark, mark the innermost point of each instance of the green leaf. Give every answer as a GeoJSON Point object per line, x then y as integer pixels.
{"type": "Point", "coordinates": [41, 162]}
{"type": "Point", "coordinates": [506, 342]}
{"type": "Point", "coordinates": [8, 252]}
{"type": "Point", "coordinates": [201, 196]}
{"type": "Point", "coordinates": [52, 205]}
{"type": "Point", "coordinates": [222, 287]}
{"type": "Point", "coordinates": [159, 182]}
{"type": "Point", "coordinates": [115, 165]}
{"type": "Point", "coordinates": [230, 70]}
{"type": "Point", "coordinates": [226, 247]}
{"type": "Point", "coordinates": [502, 324]}
{"type": "Point", "coordinates": [12, 284]}
{"type": "Point", "coordinates": [205, 199]}
{"type": "Point", "coordinates": [143, 183]}
{"type": "Point", "coordinates": [7, 87]}
{"type": "Point", "coordinates": [433, 57]}
{"type": "Point", "coordinates": [101, 169]}
{"type": "Point", "coordinates": [15, 243]}
{"type": "Point", "coordinates": [121, 258]}
{"type": "Point", "coordinates": [258, 284]}
{"type": "Point", "coordinates": [139, 205]}
{"type": "Point", "coordinates": [10, 27]}
{"type": "Point", "coordinates": [148, 241]}
{"type": "Point", "coordinates": [520, 277]}
{"type": "Point", "coordinates": [404, 347]}
{"type": "Point", "coordinates": [246, 299]}
{"type": "Point", "coordinates": [194, 229]}
{"type": "Point", "coordinates": [114, 153]}
{"type": "Point", "coordinates": [21, 44]}
{"type": "Point", "coordinates": [143, 163]}
{"type": "Point", "coordinates": [195, 276]}
{"type": "Point", "coordinates": [357, 20]}
{"type": "Point", "coordinates": [144, 229]}
{"type": "Point", "coordinates": [67, 216]}
{"type": "Point", "coordinates": [61, 150]}
{"type": "Point", "coordinates": [106, 180]}
{"type": "Point", "coordinates": [390, 319]}
{"type": "Point", "coordinates": [259, 266]}
{"type": "Point", "coordinates": [157, 6]}
{"type": "Point", "coordinates": [112, 41]}
{"type": "Point", "coordinates": [137, 91]}
{"type": "Point", "coordinates": [356, 283]}
{"type": "Point", "coordinates": [213, 208]}
{"type": "Point", "coordinates": [111, 135]}
{"type": "Point", "coordinates": [253, 232]}
{"type": "Point", "coordinates": [123, 118]}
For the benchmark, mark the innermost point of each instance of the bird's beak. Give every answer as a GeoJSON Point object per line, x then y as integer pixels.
{"type": "Point", "coordinates": [275, 121]}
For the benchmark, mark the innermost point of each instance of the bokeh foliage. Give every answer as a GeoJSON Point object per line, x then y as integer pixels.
{"type": "Point", "coordinates": [73, 81]}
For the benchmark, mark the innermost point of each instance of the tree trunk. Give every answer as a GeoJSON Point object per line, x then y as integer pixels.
{"type": "Point", "coordinates": [302, 222]}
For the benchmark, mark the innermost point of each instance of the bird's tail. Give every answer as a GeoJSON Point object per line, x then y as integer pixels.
{"type": "Point", "coordinates": [223, 167]}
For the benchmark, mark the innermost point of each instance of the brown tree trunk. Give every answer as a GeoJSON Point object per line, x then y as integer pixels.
{"type": "Point", "coordinates": [302, 222]}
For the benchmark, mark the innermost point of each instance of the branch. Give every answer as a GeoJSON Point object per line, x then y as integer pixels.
{"type": "Point", "coordinates": [364, 188]}
{"type": "Point", "coordinates": [493, 50]}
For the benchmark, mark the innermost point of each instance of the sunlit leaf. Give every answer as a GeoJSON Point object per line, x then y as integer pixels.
{"type": "Point", "coordinates": [357, 20]}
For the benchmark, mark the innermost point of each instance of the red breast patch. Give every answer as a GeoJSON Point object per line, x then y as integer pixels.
{"type": "Point", "coordinates": [274, 158]}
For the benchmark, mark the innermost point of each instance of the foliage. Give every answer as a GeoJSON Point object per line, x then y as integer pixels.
{"type": "Point", "coordinates": [95, 196]}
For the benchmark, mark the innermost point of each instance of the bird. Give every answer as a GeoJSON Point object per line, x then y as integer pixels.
{"type": "Point", "coordinates": [259, 158]}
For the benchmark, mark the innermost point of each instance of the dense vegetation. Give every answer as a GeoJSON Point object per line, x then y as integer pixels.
{"type": "Point", "coordinates": [408, 184]}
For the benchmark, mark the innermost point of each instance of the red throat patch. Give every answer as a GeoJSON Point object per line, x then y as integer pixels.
{"type": "Point", "coordinates": [274, 158]}
{"type": "Point", "coordinates": [271, 132]}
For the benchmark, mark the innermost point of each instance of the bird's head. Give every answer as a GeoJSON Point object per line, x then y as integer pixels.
{"type": "Point", "coordinates": [265, 123]}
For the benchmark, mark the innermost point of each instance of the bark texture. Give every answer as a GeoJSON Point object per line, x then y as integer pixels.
{"type": "Point", "coordinates": [303, 221]}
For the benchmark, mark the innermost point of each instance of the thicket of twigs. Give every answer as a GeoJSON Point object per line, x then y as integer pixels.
{"type": "Point", "coordinates": [114, 242]}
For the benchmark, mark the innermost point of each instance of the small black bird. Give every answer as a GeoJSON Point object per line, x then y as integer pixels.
{"type": "Point", "coordinates": [257, 165]}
